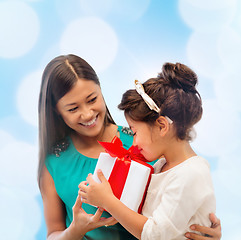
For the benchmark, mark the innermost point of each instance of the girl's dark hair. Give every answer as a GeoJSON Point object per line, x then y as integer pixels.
{"type": "Point", "coordinates": [174, 91]}
{"type": "Point", "coordinates": [58, 78]}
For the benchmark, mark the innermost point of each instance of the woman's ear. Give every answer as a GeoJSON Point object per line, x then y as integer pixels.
{"type": "Point", "coordinates": [163, 125]}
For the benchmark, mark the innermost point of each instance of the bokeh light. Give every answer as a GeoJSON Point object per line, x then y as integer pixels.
{"type": "Point", "coordinates": [91, 38]}
{"type": "Point", "coordinates": [19, 27]}
{"type": "Point", "coordinates": [123, 40]}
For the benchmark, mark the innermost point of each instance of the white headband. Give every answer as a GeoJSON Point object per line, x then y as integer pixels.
{"type": "Point", "coordinates": [148, 100]}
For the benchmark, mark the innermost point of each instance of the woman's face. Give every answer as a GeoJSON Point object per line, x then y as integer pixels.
{"type": "Point", "coordinates": [83, 108]}
{"type": "Point", "coordinates": [147, 139]}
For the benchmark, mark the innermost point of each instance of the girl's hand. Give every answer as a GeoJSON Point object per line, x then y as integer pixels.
{"type": "Point", "coordinates": [83, 222]}
{"type": "Point", "coordinates": [214, 232]}
{"type": "Point", "coordinates": [95, 193]}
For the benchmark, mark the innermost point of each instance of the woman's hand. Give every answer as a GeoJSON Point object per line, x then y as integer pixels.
{"type": "Point", "coordinates": [96, 194]}
{"type": "Point", "coordinates": [214, 232]}
{"type": "Point", "coordinates": [83, 222]}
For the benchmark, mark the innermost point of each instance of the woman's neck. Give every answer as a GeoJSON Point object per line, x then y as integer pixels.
{"type": "Point", "coordinates": [89, 146]}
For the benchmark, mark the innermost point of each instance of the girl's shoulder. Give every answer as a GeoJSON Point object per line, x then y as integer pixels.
{"type": "Point", "coordinates": [195, 170]}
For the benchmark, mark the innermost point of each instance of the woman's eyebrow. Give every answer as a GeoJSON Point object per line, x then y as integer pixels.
{"type": "Point", "coordinates": [91, 94]}
{"type": "Point", "coordinates": [71, 104]}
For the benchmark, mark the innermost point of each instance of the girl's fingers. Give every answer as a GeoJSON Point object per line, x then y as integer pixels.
{"type": "Point", "coordinates": [82, 194]}
{"type": "Point", "coordinates": [101, 176]}
{"type": "Point", "coordinates": [83, 186]}
{"type": "Point", "coordinates": [90, 179]}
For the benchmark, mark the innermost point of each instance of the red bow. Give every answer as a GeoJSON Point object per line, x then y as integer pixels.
{"type": "Point", "coordinates": [115, 149]}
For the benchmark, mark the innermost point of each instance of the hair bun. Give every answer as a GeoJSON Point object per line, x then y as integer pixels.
{"type": "Point", "coordinates": [179, 76]}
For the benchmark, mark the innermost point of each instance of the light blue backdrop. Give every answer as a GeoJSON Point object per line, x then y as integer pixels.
{"type": "Point", "coordinates": [123, 40]}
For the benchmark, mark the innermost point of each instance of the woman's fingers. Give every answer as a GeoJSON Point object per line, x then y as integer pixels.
{"type": "Point", "coordinates": [107, 221]}
{"type": "Point", "coordinates": [98, 214]}
{"type": "Point", "coordinates": [215, 221]}
{"type": "Point", "coordinates": [210, 233]}
{"type": "Point", "coordinates": [78, 204]}
{"type": "Point", "coordinates": [111, 221]}
{"type": "Point", "coordinates": [194, 236]}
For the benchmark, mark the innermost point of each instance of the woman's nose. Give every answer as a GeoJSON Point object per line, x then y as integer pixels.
{"type": "Point", "coordinates": [86, 113]}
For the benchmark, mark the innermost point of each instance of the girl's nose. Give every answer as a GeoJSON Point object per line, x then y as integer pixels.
{"type": "Point", "coordinates": [134, 142]}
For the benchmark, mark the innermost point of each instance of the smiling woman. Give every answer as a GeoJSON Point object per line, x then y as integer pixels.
{"type": "Point", "coordinates": [72, 117]}
{"type": "Point", "coordinates": [85, 112]}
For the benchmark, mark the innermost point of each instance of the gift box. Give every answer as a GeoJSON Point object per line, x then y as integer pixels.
{"type": "Point", "coordinates": [127, 172]}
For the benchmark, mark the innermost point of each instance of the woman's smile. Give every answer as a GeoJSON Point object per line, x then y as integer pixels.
{"type": "Point", "coordinates": [90, 123]}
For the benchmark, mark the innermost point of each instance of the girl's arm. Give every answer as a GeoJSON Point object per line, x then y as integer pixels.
{"type": "Point", "coordinates": [54, 212]}
{"type": "Point", "coordinates": [101, 195]}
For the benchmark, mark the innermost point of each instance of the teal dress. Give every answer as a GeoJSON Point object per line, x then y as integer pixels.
{"type": "Point", "coordinates": [68, 168]}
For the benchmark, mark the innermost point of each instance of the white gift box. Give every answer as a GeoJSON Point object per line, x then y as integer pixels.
{"type": "Point", "coordinates": [135, 183]}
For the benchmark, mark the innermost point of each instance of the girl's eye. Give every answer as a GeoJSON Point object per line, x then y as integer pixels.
{"type": "Point", "coordinates": [72, 109]}
{"type": "Point", "coordinates": [92, 100]}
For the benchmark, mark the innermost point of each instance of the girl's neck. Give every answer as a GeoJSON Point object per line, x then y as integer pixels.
{"type": "Point", "coordinates": [177, 153]}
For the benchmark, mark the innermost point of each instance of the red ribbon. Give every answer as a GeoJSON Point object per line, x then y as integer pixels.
{"type": "Point", "coordinates": [122, 164]}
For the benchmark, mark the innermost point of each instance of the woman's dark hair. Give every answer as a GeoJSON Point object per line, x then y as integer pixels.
{"type": "Point", "coordinates": [58, 78]}
{"type": "Point", "coordinates": [174, 91]}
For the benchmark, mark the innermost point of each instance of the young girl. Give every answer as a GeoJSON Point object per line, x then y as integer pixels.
{"type": "Point", "coordinates": [161, 114]}
{"type": "Point", "coordinates": [72, 117]}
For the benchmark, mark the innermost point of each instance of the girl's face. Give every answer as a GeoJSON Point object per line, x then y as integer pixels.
{"type": "Point", "coordinates": [147, 139]}
{"type": "Point", "coordinates": [83, 108]}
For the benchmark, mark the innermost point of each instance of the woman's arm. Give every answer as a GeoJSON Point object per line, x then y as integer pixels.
{"type": "Point", "coordinates": [214, 232]}
{"type": "Point", "coordinates": [100, 194]}
{"type": "Point", "coordinates": [54, 212]}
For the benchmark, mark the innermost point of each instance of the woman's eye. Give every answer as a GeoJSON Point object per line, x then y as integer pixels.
{"type": "Point", "coordinates": [72, 109]}
{"type": "Point", "coordinates": [92, 100]}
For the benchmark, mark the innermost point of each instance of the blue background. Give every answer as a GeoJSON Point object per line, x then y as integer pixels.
{"type": "Point", "coordinates": [123, 40]}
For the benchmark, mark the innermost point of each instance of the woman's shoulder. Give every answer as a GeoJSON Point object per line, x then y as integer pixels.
{"type": "Point", "coordinates": [59, 150]}
{"type": "Point", "coordinates": [125, 130]}
{"type": "Point", "coordinates": [60, 147]}
{"type": "Point", "coordinates": [126, 136]}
